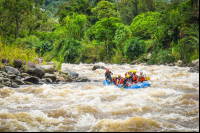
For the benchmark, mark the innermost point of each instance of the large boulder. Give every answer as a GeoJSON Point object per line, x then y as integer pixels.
{"type": "Point", "coordinates": [48, 69]}
{"type": "Point", "coordinates": [35, 71]}
{"type": "Point", "coordinates": [12, 70]}
{"type": "Point", "coordinates": [18, 63]}
{"type": "Point", "coordinates": [33, 79]}
{"type": "Point", "coordinates": [70, 73]}
{"type": "Point", "coordinates": [95, 67]}
{"type": "Point", "coordinates": [51, 76]}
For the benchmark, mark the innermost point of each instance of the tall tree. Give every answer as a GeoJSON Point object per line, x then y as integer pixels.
{"type": "Point", "coordinates": [18, 9]}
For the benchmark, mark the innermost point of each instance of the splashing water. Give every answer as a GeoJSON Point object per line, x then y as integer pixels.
{"type": "Point", "coordinates": [170, 104]}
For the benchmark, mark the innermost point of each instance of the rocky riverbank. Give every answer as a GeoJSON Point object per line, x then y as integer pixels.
{"type": "Point", "coordinates": [16, 73]}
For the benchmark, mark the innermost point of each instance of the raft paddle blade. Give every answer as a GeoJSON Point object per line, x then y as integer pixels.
{"type": "Point", "coordinates": [147, 78]}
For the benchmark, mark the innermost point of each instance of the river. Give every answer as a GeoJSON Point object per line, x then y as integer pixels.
{"type": "Point", "coordinates": [171, 104]}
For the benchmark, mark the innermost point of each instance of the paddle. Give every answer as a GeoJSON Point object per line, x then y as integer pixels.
{"type": "Point", "coordinates": [147, 78]}
{"type": "Point", "coordinates": [126, 83]}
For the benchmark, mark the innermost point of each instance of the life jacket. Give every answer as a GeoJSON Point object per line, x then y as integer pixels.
{"type": "Point", "coordinates": [114, 80]}
{"type": "Point", "coordinates": [135, 78]}
{"type": "Point", "coordinates": [142, 79]}
{"type": "Point", "coordinates": [121, 80]}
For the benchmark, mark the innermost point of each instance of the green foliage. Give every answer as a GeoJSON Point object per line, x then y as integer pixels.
{"type": "Point", "coordinates": [133, 48]}
{"type": "Point", "coordinates": [145, 24]}
{"type": "Point", "coordinates": [42, 47]}
{"type": "Point", "coordinates": [104, 9]}
{"type": "Point", "coordinates": [162, 57]}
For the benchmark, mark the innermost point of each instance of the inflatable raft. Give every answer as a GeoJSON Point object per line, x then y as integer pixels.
{"type": "Point", "coordinates": [145, 84]}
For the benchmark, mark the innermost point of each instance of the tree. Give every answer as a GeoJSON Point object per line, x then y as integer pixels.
{"type": "Point", "coordinates": [105, 9]}
{"type": "Point", "coordinates": [18, 9]}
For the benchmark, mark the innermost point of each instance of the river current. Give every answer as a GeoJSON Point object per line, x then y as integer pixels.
{"type": "Point", "coordinates": [171, 104]}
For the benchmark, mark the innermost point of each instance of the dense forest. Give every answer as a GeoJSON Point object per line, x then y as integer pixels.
{"type": "Point", "coordinates": [88, 31]}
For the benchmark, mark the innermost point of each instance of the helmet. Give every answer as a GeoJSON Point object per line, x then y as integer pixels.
{"type": "Point", "coordinates": [107, 69]}
{"type": "Point", "coordinates": [119, 75]}
{"type": "Point", "coordinates": [114, 76]}
{"type": "Point", "coordinates": [141, 72]}
{"type": "Point", "coordinates": [134, 71]}
{"type": "Point", "coordinates": [130, 71]}
{"type": "Point", "coordinates": [128, 76]}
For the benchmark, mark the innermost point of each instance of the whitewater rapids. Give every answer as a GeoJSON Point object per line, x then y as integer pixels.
{"type": "Point", "coordinates": [171, 104]}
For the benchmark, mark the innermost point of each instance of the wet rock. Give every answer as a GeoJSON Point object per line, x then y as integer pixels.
{"type": "Point", "coordinates": [7, 83]}
{"type": "Point", "coordinates": [148, 56]}
{"type": "Point", "coordinates": [1, 86]}
{"type": "Point", "coordinates": [33, 79]}
{"type": "Point", "coordinates": [5, 74]}
{"type": "Point", "coordinates": [49, 80]}
{"type": "Point", "coordinates": [83, 79]}
{"type": "Point", "coordinates": [194, 69]}
{"type": "Point", "coordinates": [135, 62]}
{"type": "Point", "coordinates": [28, 83]}
{"type": "Point", "coordinates": [43, 81]}
{"type": "Point", "coordinates": [12, 70]}
{"type": "Point", "coordinates": [36, 72]}
{"type": "Point", "coordinates": [5, 79]}
{"type": "Point", "coordinates": [171, 64]}
{"type": "Point", "coordinates": [24, 75]}
{"type": "Point", "coordinates": [18, 63]}
{"type": "Point", "coordinates": [19, 82]}
{"type": "Point", "coordinates": [51, 76]}
{"type": "Point", "coordinates": [95, 67]}
{"type": "Point", "coordinates": [60, 79]}
{"type": "Point", "coordinates": [71, 73]}
{"type": "Point", "coordinates": [31, 64]}
{"type": "Point", "coordinates": [48, 69]}
{"type": "Point", "coordinates": [195, 62]}
{"type": "Point", "coordinates": [14, 85]}
{"type": "Point", "coordinates": [12, 76]}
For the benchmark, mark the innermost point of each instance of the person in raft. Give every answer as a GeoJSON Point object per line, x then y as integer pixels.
{"type": "Point", "coordinates": [135, 77]}
{"type": "Point", "coordinates": [114, 80]}
{"type": "Point", "coordinates": [141, 77]}
{"type": "Point", "coordinates": [120, 80]}
{"type": "Point", "coordinates": [126, 82]}
{"type": "Point", "coordinates": [108, 75]}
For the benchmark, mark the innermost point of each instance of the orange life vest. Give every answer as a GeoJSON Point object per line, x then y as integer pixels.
{"type": "Point", "coordinates": [135, 78]}
{"type": "Point", "coordinates": [142, 79]}
{"type": "Point", "coordinates": [121, 80]}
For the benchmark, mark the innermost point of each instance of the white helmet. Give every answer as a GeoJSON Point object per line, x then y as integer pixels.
{"type": "Point", "coordinates": [141, 72]}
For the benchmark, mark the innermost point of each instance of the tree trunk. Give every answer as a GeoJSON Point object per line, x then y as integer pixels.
{"type": "Point", "coordinates": [17, 28]}
{"type": "Point", "coordinates": [136, 7]}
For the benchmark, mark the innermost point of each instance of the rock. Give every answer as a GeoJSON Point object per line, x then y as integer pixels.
{"type": "Point", "coordinates": [7, 83]}
{"type": "Point", "coordinates": [36, 72]}
{"type": "Point", "coordinates": [194, 69]}
{"type": "Point", "coordinates": [48, 69]}
{"type": "Point", "coordinates": [24, 75]}
{"type": "Point", "coordinates": [43, 81]}
{"type": "Point", "coordinates": [5, 61]}
{"type": "Point", "coordinates": [28, 83]}
{"type": "Point", "coordinates": [31, 64]}
{"type": "Point", "coordinates": [5, 74]}
{"type": "Point", "coordinates": [18, 63]}
{"type": "Point", "coordinates": [195, 62]}
{"type": "Point", "coordinates": [33, 79]}
{"type": "Point", "coordinates": [12, 76]}
{"type": "Point", "coordinates": [98, 67]}
{"type": "Point", "coordinates": [51, 76]}
{"type": "Point", "coordinates": [179, 63]}
{"type": "Point", "coordinates": [14, 85]}
{"type": "Point", "coordinates": [71, 73]}
{"type": "Point", "coordinates": [49, 80]}
{"type": "Point", "coordinates": [12, 70]}
{"type": "Point", "coordinates": [83, 79]}
{"type": "Point", "coordinates": [60, 79]}
{"type": "Point", "coordinates": [135, 62]}
{"type": "Point", "coordinates": [148, 56]}
{"type": "Point", "coordinates": [171, 64]}
{"type": "Point", "coordinates": [19, 82]}
{"type": "Point", "coordinates": [5, 79]}
{"type": "Point", "coordinates": [1, 86]}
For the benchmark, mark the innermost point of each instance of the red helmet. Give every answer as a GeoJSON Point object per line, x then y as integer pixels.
{"type": "Point", "coordinates": [107, 69]}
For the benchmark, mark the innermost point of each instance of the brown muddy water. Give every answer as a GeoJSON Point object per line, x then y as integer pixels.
{"type": "Point", "coordinates": [171, 104]}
